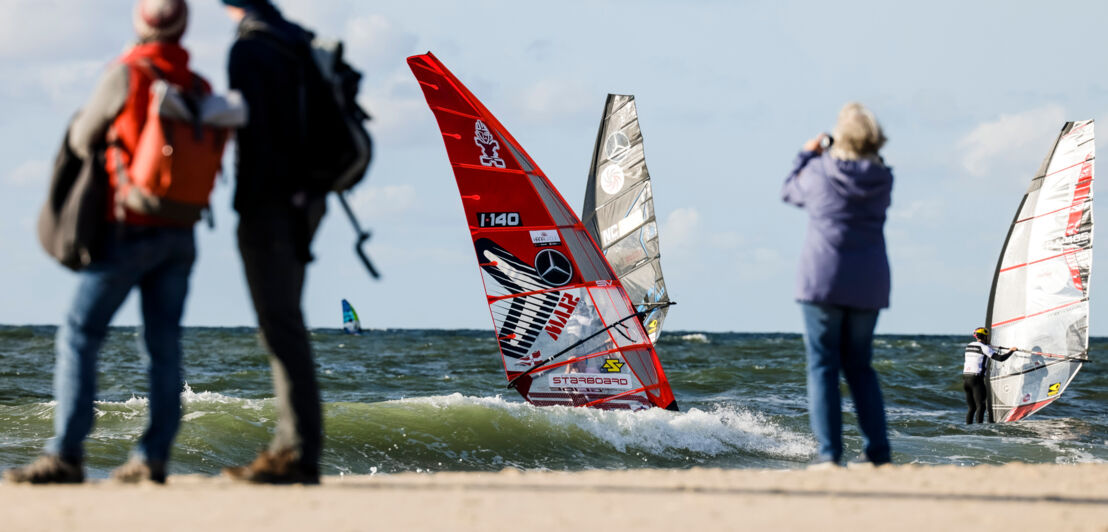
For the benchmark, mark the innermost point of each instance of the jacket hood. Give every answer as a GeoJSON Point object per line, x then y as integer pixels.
{"type": "Point", "coordinates": [860, 178]}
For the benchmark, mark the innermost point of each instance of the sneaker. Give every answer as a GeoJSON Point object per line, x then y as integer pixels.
{"type": "Point", "coordinates": [48, 469]}
{"type": "Point", "coordinates": [282, 467]}
{"type": "Point", "coordinates": [138, 470]}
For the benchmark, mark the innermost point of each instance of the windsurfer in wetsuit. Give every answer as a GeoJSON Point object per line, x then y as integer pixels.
{"type": "Point", "coordinates": [973, 372]}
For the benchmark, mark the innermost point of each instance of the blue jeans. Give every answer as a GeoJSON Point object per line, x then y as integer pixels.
{"type": "Point", "coordinates": [158, 261]}
{"type": "Point", "coordinates": [841, 339]}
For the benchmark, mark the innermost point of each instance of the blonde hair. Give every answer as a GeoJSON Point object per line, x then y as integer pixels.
{"type": "Point", "coordinates": [857, 134]}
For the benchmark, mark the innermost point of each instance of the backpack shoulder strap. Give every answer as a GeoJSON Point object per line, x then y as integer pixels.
{"type": "Point", "coordinates": [147, 68]}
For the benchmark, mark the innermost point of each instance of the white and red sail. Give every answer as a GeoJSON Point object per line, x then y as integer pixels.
{"type": "Point", "coordinates": [567, 332]}
{"type": "Point", "coordinates": [1040, 294]}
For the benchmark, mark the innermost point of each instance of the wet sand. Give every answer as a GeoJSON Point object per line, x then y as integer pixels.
{"type": "Point", "coordinates": [899, 498]}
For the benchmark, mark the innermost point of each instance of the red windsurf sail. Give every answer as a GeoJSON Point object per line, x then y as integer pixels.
{"type": "Point", "coordinates": [564, 324]}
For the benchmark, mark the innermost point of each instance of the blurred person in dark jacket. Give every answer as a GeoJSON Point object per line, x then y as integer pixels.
{"type": "Point", "coordinates": [843, 279]}
{"type": "Point", "coordinates": [277, 221]}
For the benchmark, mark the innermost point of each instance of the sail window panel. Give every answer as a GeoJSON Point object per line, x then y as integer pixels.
{"type": "Point", "coordinates": [590, 263]}
{"type": "Point", "coordinates": [642, 364]}
{"type": "Point", "coordinates": [559, 212]}
{"type": "Point", "coordinates": [635, 249]}
{"type": "Point", "coordinates": [644, 285]}
{"type": "Point", "coordinates": [612, 306]}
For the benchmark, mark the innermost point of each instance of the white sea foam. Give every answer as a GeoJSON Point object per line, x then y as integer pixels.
{"type": "Point", "coordinates": [699, 338]}
{"type": "Point", "coordinates": [721, 431]}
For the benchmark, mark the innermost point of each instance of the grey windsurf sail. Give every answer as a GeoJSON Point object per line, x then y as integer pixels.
{"type": "Point", "coordinates": [619, 211]}
{"type": "Point", "coordinates": [1039, 301]}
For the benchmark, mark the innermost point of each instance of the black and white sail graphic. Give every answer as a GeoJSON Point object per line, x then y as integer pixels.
{"type": "Point", "coordinates": [619, 210]}
{"type": "Point", "coordinates": [1040, 295]}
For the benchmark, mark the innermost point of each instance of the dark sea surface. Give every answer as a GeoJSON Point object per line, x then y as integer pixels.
{"type": "Point", "coordinates": [434, 400]}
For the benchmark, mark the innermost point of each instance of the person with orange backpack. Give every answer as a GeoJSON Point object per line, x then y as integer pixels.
{"type": "Point", "coordinates": [147, 121]}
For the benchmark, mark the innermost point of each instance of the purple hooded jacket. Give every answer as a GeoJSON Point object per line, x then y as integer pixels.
{"type": "Point", "coordinates": [843, 261]}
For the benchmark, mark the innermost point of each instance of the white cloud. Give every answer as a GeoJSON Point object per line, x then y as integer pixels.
{"type": "Point", "coordinates": [1012, 141]}
{"type": "Point", "coordinates": [917, 210]}
{"type": "Point", "coordinates": [550, 99]}
{"type": "Point", "coordinates": [32, 30]}
{"type": "Point", "coordinates": [399, 110]}
{"type": "Point", "coordinates": [760, 264]}
{"type": "Point", "coordinates": [681, 228]}
{"type": "Point", "coordinates": [30, 173]}
{"type": "Point", "coordinates": [374, 44]}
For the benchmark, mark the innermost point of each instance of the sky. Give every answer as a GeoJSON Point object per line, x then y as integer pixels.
{"type": "Point", "coordinates": [970, 94]}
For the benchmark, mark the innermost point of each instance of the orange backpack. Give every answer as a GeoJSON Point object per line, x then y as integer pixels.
{"type": "Point", "coordinates": [179, 150]}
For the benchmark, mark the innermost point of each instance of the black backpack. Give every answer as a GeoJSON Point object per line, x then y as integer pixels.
{"type": "Point", "coordinates": [72, 223]}
{"type": "Point", "coordinates": [335, 137]}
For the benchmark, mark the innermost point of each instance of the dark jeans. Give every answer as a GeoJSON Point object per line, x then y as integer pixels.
{"type": "Point", "coordinates": [157, 260]}
{"type": "Point", "coordinates": [274, 263]}
{"type": "Point", "coordinates": [840, 339]}
{"type": "Point", "coordinates": [974, 385]}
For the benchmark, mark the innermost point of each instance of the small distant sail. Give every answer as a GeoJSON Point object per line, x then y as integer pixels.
{"type": "Point", "coordinates": [567, 332]}
{"type": "Point", "coordinates": [350, 322]}
{"type": "Point", "coordinates": [619, 211]}
{"type": "Point", "coordinates": [1040, 294]}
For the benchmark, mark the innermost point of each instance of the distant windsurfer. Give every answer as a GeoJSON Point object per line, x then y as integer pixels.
{"type": "Point", "coordinates": [973, 372]}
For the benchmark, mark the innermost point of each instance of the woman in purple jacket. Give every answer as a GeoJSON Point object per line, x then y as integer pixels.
{"type": "Point", "coordinates": [843, 278]}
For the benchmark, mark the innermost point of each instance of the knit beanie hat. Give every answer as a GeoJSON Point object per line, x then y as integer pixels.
{"type": "Point", "coordinates": [160, 20]}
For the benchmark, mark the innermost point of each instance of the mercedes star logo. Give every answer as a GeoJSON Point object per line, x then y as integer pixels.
{"type": "Point", "coordinates": [617, 146]}
{"type": "Point", "coordinates": [553, 267]}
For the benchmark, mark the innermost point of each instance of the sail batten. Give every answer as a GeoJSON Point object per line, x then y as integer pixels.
{"type": "Point", "coordinates": [564, 324]}
{"type": "Point", "coordinates": [1039, 300]}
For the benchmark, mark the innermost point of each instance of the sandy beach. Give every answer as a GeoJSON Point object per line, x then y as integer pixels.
{"type": "Point", "coordinates": [902, 498]}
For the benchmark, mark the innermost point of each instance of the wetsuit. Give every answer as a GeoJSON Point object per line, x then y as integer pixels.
{"type": "Point", "coordinates": [973, 378]}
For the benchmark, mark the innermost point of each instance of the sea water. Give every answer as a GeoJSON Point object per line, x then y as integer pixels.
{"type": "Point", "coordinates": [435, 400]}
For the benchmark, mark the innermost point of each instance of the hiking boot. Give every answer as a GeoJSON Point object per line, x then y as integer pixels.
{"type": "Point", "coordinates": [282, 467]}
{"type": "Point", "coordinates": [48, 469]}
{"type": "Point", "coordinates": [138, 470]}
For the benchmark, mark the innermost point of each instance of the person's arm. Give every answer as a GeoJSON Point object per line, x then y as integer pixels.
{"type": "Point", "coordinates": [793, 192]}
{"type": "Point", "coordinates": [94, 119]}
{"type": "Point", "coordinates": [1005, 356]}
{"type": "Point", "coordinates": [246, 75]}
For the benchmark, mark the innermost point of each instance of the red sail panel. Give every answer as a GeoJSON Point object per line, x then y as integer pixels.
{"type": "Point", "coordinates": [558, 309]}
